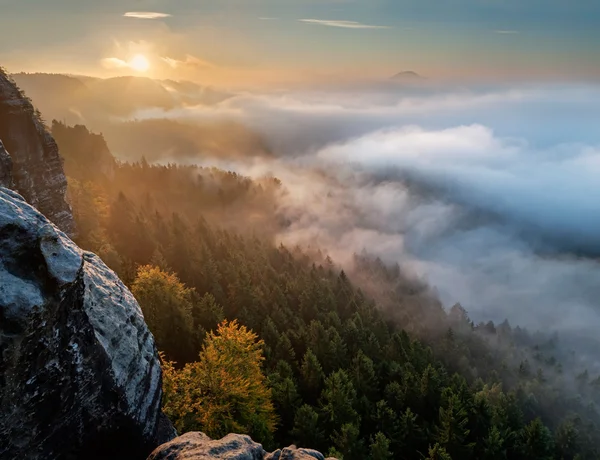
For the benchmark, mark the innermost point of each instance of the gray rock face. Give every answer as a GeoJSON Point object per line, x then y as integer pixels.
{"type": "Point", "coordinates": [35, 167]}
{"type": "Point", "coordinates": [198, 446]}
{"type": "Point", "coordinates": [79, 372]}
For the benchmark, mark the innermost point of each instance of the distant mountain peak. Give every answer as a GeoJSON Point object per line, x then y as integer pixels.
{"type": "Point", "coordinates": [408, 75]}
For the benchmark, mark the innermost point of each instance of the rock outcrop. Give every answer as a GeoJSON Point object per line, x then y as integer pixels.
{"type": "Point", "coordinates": [35, 168]}
{"type": "Point", "coordinates": [5, 168]}
{"type": "Point", "coordinates": [198, 446]}
{"type": "Point", "coordinates": [79, 372]}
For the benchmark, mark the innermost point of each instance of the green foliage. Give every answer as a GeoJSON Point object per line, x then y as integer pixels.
{"type": "Point", "coordinates": [347, 440]}
{"type": "Point", "coordinates": [311, 374]}
{"type": "Point", "coordinates": [307, 427]}
{"type": "Point", "coordinates": [338, 398]}
{"type": "Point", "coordinates": [285, 395]}
{"type": "Point", "coordinates": [452, 428]}
{"type": "Point", "coordinates": [537, 441]}
{"type": "Point", "coordinates": [207, 314]}
{"type": "Point", "coordinates": [437, 452]}
{"type": "Point", "coordinates": [380, 448]}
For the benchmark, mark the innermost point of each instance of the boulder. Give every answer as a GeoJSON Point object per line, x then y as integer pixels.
{"type": "Point", "coordinates": [79, 372]}
{"type": "Point", "coordinates": [198, 446]}
{"type": "Point", "coordinates": [293, 453]}
{"type": "Point", "coordinates": [34, 167]}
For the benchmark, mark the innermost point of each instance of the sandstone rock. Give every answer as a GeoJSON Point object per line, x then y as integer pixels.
{"type": "Point", "coordinates": [198, 446]}
{"type": "Point", "coordinates": [35, 167]}
{"type": "Point", "coordinates": [79, 372]}
{"type": "Point", "coordinates": [293, 453]}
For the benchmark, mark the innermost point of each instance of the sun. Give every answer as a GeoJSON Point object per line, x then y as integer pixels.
{"type": "Point", "coordinates": [139, 63]}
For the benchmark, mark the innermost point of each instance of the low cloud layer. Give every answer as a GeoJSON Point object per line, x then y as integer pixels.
{"type": "Point", "coordinates": [507, 231]}
{"type": "Point", "coordinates": [551, 193]}
{"type": "Point", "coordinates": [489, 194]}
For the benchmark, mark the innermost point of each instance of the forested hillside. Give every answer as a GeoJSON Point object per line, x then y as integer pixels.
{"type": "Point", "coordinates": [360, 361]}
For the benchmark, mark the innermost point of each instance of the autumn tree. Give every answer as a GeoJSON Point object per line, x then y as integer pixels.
{"type": "Point", "coordinates": [225, 391]}
{"type": "Point", "coordinates": [167, 307]}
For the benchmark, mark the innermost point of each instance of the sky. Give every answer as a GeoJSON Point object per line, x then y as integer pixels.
{"type": "Point", "coordinates": [250, 41]}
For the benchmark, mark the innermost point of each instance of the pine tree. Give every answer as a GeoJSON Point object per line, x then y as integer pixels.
{"type": "Point", "coordinates": [536, 441]}
{"type": "Point", "coordinates": [437, 452]}
{"type": "Point", "coordinates": [380, 448]}
{"type": "Point", "coordinates": [207, 315]}
{"type": "Point", "coordinates": [285, 397]}
{"type": "Point", "coordinates": [347, 440]}
{"type": "Point", "coordinates": [311, 374]}
{"type": "Point", "coordinates": [307, 431]}
{"type": "Point", "coordinates": [337, 399]}
{"type": "Point", "coordinates": [452, 429]}
{"type": "Point", "coordinates": [493, 445]}
{"type": "Point", "coordinates": [364, 375]}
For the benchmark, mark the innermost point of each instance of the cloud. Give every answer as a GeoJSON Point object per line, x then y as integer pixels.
{"type": "Point", "coordinates": [490, 194]}
{"type": "Point", "coordinates": [464, 249]}
{"type": "Point", "coordinates": [190, 62]}
{"type": "Point", "coordinates": [146, 15]}
{"type": "Point", "coordinates": [461, 209]}
{"type": "Point", "coordinates": [343, 24]}
{"type": "Point", "coordinates": [490, 222]}
{"type": "Point", "coordinates": [114, 63]}
{"type": "Point", "coordinates": [299, 121]}
{"type": "Point", "coordinates": [471, 166]}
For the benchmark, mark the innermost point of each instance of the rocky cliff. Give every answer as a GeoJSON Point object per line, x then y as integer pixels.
{"type": "Point", "coordinates": [79, 372]}
{"type": "Point", "coordinates": [29, 161]}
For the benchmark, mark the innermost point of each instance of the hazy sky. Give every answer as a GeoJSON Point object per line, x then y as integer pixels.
{"type": "Point", "coordinates": [274, 40]}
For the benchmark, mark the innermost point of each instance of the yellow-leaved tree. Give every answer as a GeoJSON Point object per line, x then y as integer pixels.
{"type": "Point", "coordinates": [167, 306]}
{"type": "Point", "coordinates": [223, 392]}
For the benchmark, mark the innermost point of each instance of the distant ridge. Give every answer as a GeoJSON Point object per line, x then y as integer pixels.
{"type": "Point", "coordinates": [408, 76]}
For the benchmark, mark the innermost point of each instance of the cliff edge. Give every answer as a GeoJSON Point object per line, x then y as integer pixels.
{"type": "Point", "coordinates": [29, 160]}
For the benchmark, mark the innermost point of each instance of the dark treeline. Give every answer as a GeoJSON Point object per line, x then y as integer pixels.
{"type": "Point", "coordinates": [379, 372]}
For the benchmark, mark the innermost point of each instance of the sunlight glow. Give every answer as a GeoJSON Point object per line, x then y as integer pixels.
{"type": "Point", "coordinates": [139, 63]}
